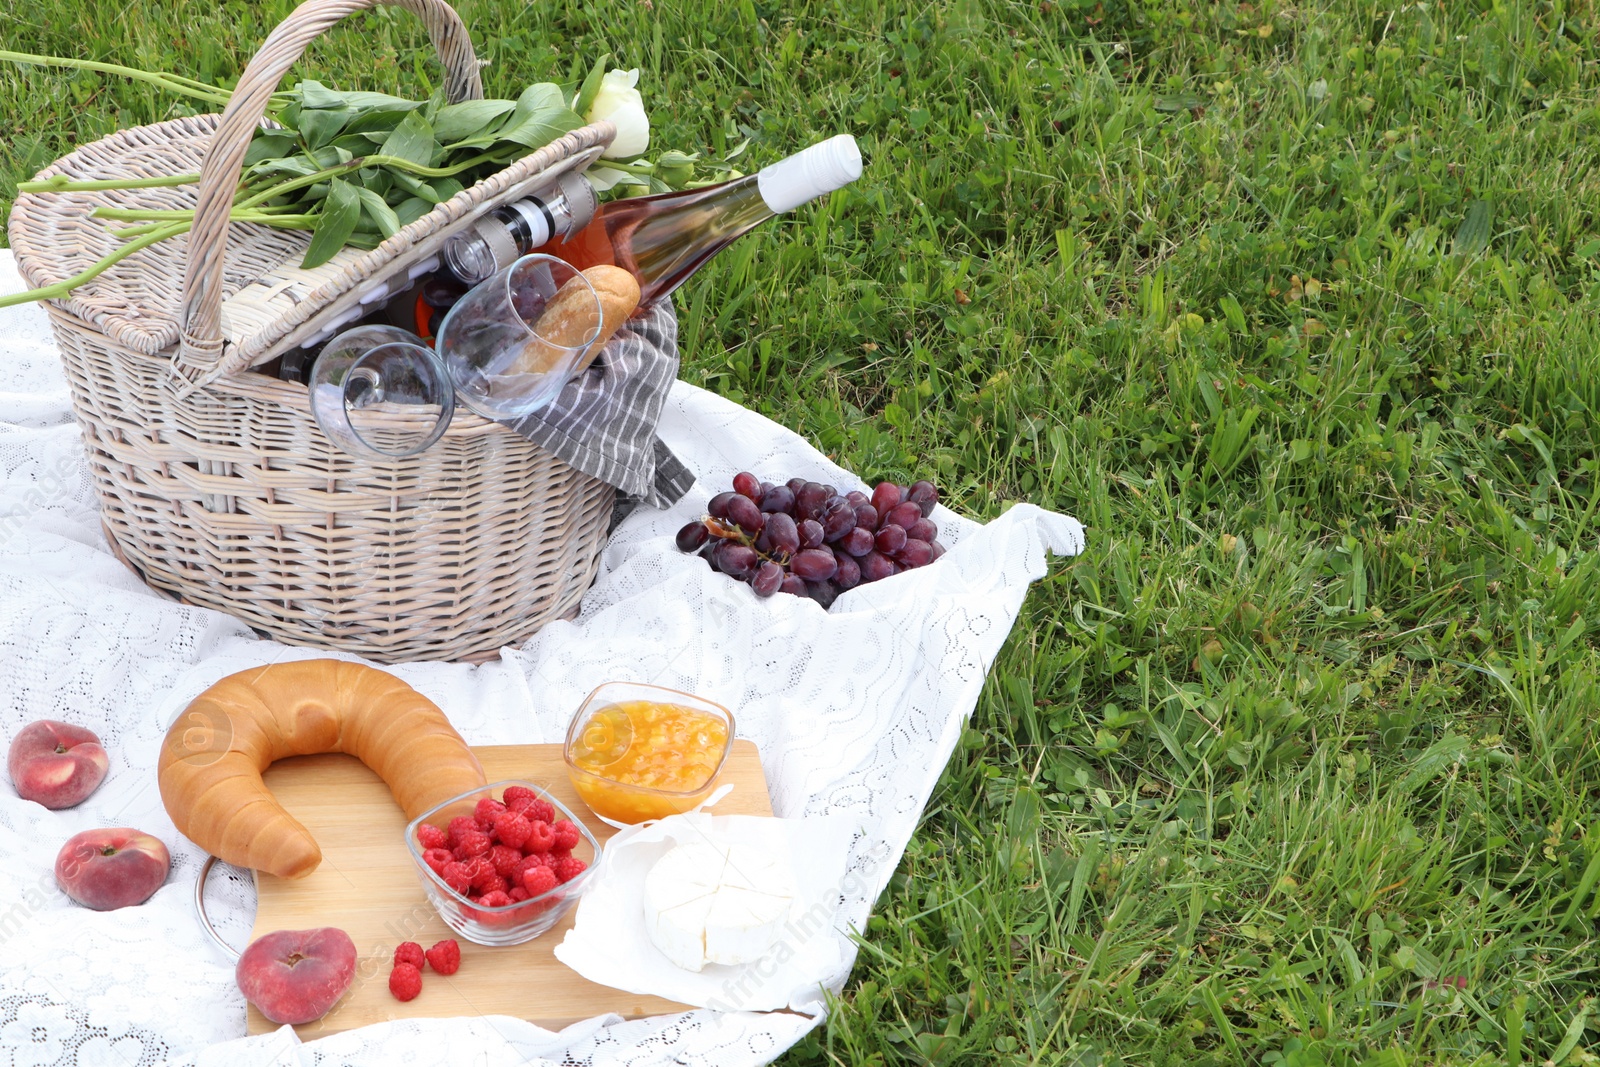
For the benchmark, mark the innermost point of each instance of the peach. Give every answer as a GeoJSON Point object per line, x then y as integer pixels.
{"type": "Point", "coordinates": [111, 868]}
{"type": "Point", "coordinates": [295, 976]}
{"type": "Point", "coordinates": [55, 763]}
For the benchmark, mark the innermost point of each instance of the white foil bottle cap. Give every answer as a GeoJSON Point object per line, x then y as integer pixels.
{"type": "Point", "coordinates": [810, 173]}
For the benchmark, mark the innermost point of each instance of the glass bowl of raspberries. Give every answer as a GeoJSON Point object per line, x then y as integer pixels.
{"type": "Point", "coordinates": [504, 863]}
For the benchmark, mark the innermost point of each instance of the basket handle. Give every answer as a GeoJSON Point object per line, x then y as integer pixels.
{"type": "Point", "coordinates": [200, 313]}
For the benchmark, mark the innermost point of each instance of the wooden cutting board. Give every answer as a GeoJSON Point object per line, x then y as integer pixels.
{"type": "Point", "coordinates": [367, 886]}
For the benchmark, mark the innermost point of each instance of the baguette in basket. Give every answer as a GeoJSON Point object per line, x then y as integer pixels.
{"type": "Point", "coordinates": [569, 319]}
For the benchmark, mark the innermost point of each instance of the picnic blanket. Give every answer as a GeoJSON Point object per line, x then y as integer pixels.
{"type": "Point", "coordinates": [855, 710]}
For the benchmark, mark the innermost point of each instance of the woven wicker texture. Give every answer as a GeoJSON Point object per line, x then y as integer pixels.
{"type": "Point", "coordinates": [216, 483]}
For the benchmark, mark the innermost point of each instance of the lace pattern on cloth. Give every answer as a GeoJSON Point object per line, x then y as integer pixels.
{"type": "Point", "coordinates": [856, 710]}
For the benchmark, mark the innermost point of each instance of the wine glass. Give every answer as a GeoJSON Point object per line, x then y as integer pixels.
{"type": "Point", "coordinates": [379, 392]}
{"type": "Point", "coordinates": [512, 342]}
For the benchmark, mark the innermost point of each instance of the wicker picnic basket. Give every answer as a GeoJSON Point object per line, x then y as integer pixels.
{"type": "Point", "coordinates": [215, 482]}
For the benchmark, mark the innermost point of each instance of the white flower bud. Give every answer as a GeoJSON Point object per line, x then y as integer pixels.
{"type": "Point", "coordinates": [619, 103]}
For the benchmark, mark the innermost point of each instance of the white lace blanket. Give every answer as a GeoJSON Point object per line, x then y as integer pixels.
{"type": "Point", "coordinates": [854, 710]}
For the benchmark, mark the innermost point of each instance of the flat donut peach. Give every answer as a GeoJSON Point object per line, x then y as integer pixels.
{"type": "Point", "coordinates": [214, 754]}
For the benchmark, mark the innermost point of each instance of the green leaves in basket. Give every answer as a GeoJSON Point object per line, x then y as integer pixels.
{"type": "Point", "coordinates": [341, 210]}
{"type": "Point", "coordinates": [412, 141]}
{"type": "Point", "coordinates": [540, 117]}
{"type": "Point", "coordinates": [363, 165]}
{"type": "Point", "coordinates": [376, 209]}
{"type": "Point", "coordinates": [469, 120]}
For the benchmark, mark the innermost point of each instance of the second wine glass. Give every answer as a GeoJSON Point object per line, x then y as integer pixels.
{"type": "Point", "coordinates": [514, 340]}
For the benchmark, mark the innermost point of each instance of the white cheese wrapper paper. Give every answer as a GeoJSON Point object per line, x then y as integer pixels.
{"type": "Point", "coordinates": [608, 942]}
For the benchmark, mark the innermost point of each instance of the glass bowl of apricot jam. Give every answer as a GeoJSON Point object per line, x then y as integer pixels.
{"type": "Point", "coordinates": [637, 752]}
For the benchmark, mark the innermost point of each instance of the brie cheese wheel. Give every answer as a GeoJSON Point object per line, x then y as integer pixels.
{"type": "Point", "coordinates": [711, 903]}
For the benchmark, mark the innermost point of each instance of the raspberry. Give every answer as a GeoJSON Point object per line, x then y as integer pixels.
{"type": "Point", "coordinates": [445, 957]}
{"type": "Point", "coordinates": [511, 829]}
{"type": "Point", "coordinates": [542, 810]}
{"type": "Point", "coordinates": [538, 859]}
{"type": "Point", "coordinates": [507, 861]}
{"type": "Point", "coordinates": [499, 898]}
{"type": "Point", "coordinates": [474, 842]}
{"type": "Point", "coordinates": [458, 826]}
{"type": "Point", "coordinates": [495, 883]}
{"type": "Point", "coordinates": [456, 876]}
{"type": "Point", "coordinates": [437, 858]}
{"type": "Point", "coordinates": [559, 854]}
{"type": "Point", "coordinates": [537, 879]}
{"type": "Point", "coordinates": [486, 812]}
{"type": "Point", "coordinates": [430, 836]}
{"type": "Point", "coordinates": [405, 981]}
{"type": "Point", "coordinates": [517, 893]}
{"type": "Point", "coordinates": [408, 952]}
{"type": "Point", "coordinates": [568, 869]}
{"type": "Point", "coordinates": [567, 835]}
{"type": "Point", "coordinates": [518, 797]}
{"type": "Point", "coordinates": [540, 837]}
{"type": "Point", "coordinates": [479, 870]}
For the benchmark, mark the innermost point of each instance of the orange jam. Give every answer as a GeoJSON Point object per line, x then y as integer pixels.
{"type": "Point", "coordinates": [645, 759]}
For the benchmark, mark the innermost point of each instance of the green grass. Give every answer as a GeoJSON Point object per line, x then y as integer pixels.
{"type": "Point", "coordinates": [1298, 308]}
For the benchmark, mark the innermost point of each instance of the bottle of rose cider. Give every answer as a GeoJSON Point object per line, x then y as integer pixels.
{"type": "Point", "coordinates": [664, 239]}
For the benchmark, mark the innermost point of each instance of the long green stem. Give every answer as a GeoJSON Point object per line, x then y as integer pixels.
{"type": "Point", "coordinates": [171, 84]}
{"type": "Point", "coordinates": [62, 184]}
{"type": "Point", "coordinates": [282, 222]}
{"type": "Point", "coordinates": [62, 288]}
{"type": "Point", "coordinates": [144, 214]}
{"type": "Point", "coordinates": [359, 163]}
{"type": "Point", "coordinates": [640, 167]}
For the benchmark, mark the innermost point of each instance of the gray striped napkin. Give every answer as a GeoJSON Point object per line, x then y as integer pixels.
{"type": "Point", "coordinates": [604, 421]}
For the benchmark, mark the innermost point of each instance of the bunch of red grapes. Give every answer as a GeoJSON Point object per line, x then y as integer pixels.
{"type": "Point", "coordinates": [809, 539]}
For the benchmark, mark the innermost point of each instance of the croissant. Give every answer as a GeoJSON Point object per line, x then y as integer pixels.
{"type": "Point", "coordinates": [214, 754]}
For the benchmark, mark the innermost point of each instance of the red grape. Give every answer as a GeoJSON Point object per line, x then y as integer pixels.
{"type": "Point", "coordinates": [867, 515]}
{"type": "Point", "coordinates": [938, 550]}
{"type": "Point", "coordinates": [743, 512]}
{"type": "Point", "coordinates": [823, 593]}
{"type": "Point", "coordinates": [849, 574]}
{"type": "Point", "coordinates": [891, 539]}
{"type": "Point", "coordinates": [810, 533]}
{"type": "Point", "coordinates": [916, 554]}
{"type": "Point", "coordinates": [886, 496]}
{"type": "Point", "coordinates": [814, 564]}
{"type": "Point", "coordinates": [902, 515]}
{"type": "Point", "coordinates": [747, 484]}
{"type": "Point", "coordinates": [781, 534]}
{"type": "Point", "coordinates": [809, 500]}
{"type": "Point", "coordinates": [739, 561]}
{"type": "Point", "coordinates": [768, 579]}
{"type": "Point", "coordinates": [838, 523]}
{"type": "Point", "coordinates": [875, 567]}
{"type": "Point", "coordinates": [793, 585]}
{"type": "Point", "coordinates": [692, 536]}
{"type": "Point", "coordinates": [857, 542]}
{"type": "Point", "coordinates": [718, 507]}
{"type": "Point", "coordinates": [922, 530]}
{"type": "Point", "coordinates": [856, 498]}
{"type": "Point", "coordinates": [794, 485]}
{"type": "Point", "coordinates": [924, 494]}
{"type": "Point", "coordinates": [778, 498]}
